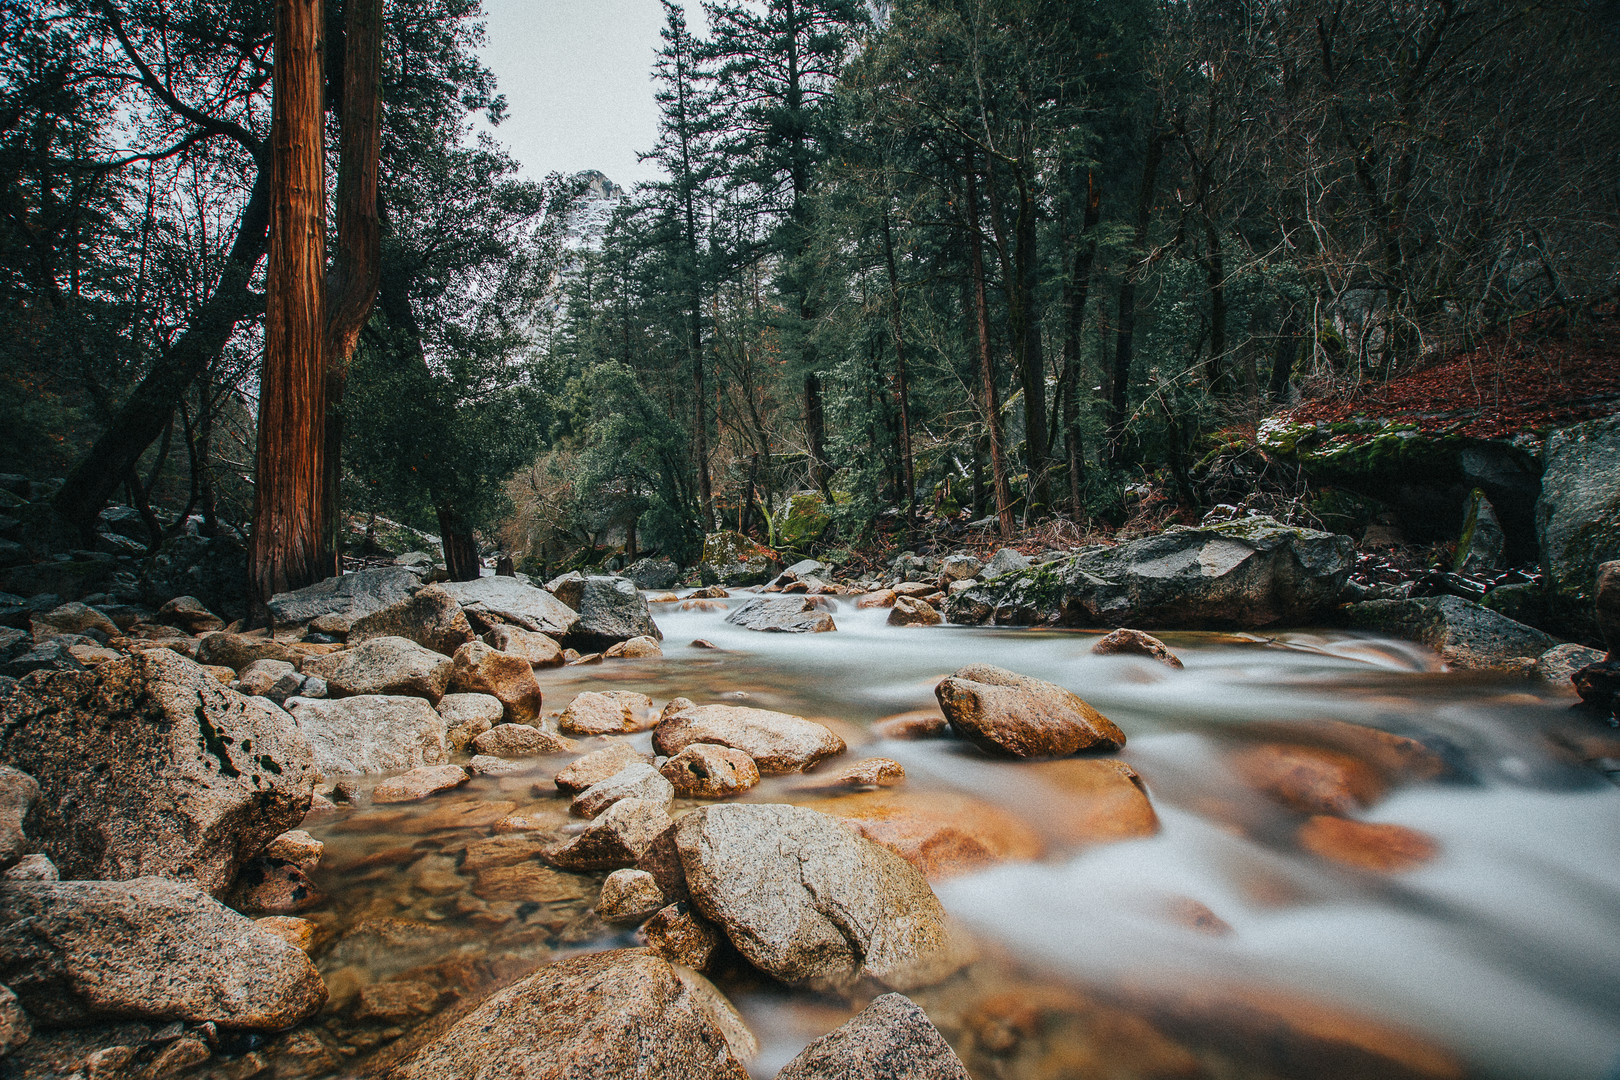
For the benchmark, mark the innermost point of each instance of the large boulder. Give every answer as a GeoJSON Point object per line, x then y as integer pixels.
{"type": "Point", "coordinates": [1003, 712]}
{"type": "Point", "coordinates": [371, 733]}
{"type": "Point", "coordinates": [611, 611]}
{"type": "Point", "coordinates": [1254, 572]}
{"type": "Point", "coordinates": [782, 615]}
{"type": "Point", "coordinates": [778, 742]}
{"type": "Point", "coordinates": [1464, 633]}
{"type": "Point", "coordinates": [151, 948]}
{"type": "Point", "coordinates": [428, 617]}
{"type": "Point", "coordinates": [1578, 513]}
{"type": "Point", "coordinates": [18, 794]}
{"type": "Point", "coordinates": [1608, 604]}
{"type": "Point", "coordinates": [802, 520]}
{"type": "Point", "coordinates": [346, 598]}
{"type": "Point", "coordinates": [538, 649]}
{"type": "Point", "coordinates": [479, 669]}
{"type": "Point", "coordinates": [495, 600]}
{"type": "Point", "coordinates": [384, 665]}
{"type": "Point", "coordinates": [653, 574]}
{"type": "Point", "coordinates": [237, 651]}
{"type": "Point", "coordinates": [809, 901]}
{"type": "Point", "coordinates": [889, 1038]}
{"type": "Point", "coordinates": [730, 558]}
{"type": "Point", "coordinates": [624, 1013]}
{"type": "Point", "coordinates": [149, 765]}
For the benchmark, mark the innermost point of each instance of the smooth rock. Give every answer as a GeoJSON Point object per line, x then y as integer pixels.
{"type": "Point", "coordinates": [1465, 634]}
{"type": "Point", "coordinates": [1136, 643]}
{"type": "Point", "coordinates": [1003, 712]}
{"type": "Point", "coordinates": [297, 847]}
{"type": "Point", "coordinates": [637, 648]}
{"type": "Point", "coordinates": [497, 600]}
{"type": "Point", "coordinates": [629, 896]}
{"type": "Point", "coordinates": [533, 646]}
{"type": "Point", "coordinates": [419, 783]}
{"type": "Point", "coordinates": [1364, 845]}
{"type": "Point", "coordinates": [371, 733]}
{"type": "Point", "coordinates": [388, 666]}
{"type": "Point", "coordinates": [598, 765]}
{"type": "Point", "coordinates": [681, 936]}
{"type": "Point", "coordinates": [521, 740]}
{"type": "Point", "coordinates": [1310, 779]}
{"type": "Point", "coordinates": [429, 617]}
{"type": "Point", "coordinates": [150, 948]}
{"type": "Point", "coordinates": [919, 724]}
{"type": "Point", "coordinates": [710, 771]}
{"type": "Point", "coordinates": [204, 777]}
{"type": "Point", "coordinates": [479, 669]}
{"type": "Point", "coordinates": [874, 772]}
{"type": "Point", "coordinates": [467, 716]}
{"type": "Point", "coordinates": [635, 781]}
{"type": "Point", "coordinates": [18, 794]}
{"type": "Point", "coordinates": [610, 712]}
{"type": "Point", "coordinates": [891, 1038]}
{"type": "Point", "coordinates": [611, 611]}
{"type": "Point", "coordinates": [490, 765]}
{"type": "Point", "coordinates": [615, 840]}
{"type": "Point", "coordinates": [881, 599]}
{"type": "Point", "coordinates": [809, 901]}
{"type": "Point", "coordinates": [624, 1013]}
{"type": "Point", "coordinates": [941, 833]}
{"type": "Point", "coordinates": [1082, 802]}
{"type": "Point", "coordinates": [908, 611]}
{"type": "Point", "coordinates": [347, 598]}
{"type": "Point", "coordinates": [778, 742]}
{"type": "Point", "coordinates": [190, 614]}
{"type": "Point", "coordinates": [782, 615]}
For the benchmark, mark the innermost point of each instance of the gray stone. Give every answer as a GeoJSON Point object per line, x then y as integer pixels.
{"type": "Point", "coordinates": [609, 712]}
{"type": "Point", "coordinates": [18, 793]}
{"type": "Point", "coordinates": [419, 783]}
{"type": "Point", "coordinates": [611, 611]}
{"type": "Point", "coordinates": [392, 666]}
{"type": "Point", "coordinates": [1482, 544]}
{"type": "Point", "coordinates": [1578, 512]}
{"type": "Point", "coordinates": [624, 1013]}
{"type": "Point", "coordinates": [778, 742]}
{"type": "Point", "coordinates": [653, 573]}
{"type": "Point", "coordinates": [520, 740]}
{"type": "Point", "coordinates": [371, 733]}
{"type": "Point", "coordinates": [960, 567]}
{"type": "Point", "coordinates": [497, 600]}
{"type": "Point", "coordinates": [1465, 634]}
{"type": "Point", "coordinates": [536, 648]}
{"type": "Point", "coordinates": [467, 716]}
{"type": "Point", "coordinates": [782, 615]}
{"type": "Point", "coordinates": [638, 780]}
{"type": "Point", "coordinates": [49, 656]}
{"type": "Point", "coordinates": [149, 765]}
{"type": "Point", "coordinates": [598, 765]}
{"type": "Point", "coordinates": [151, 948]}
{"type": "Point", "coordinates": [348, 597]}
{"type": "Point", "coordinates": [811, 902]}
{"type": "Point", "coordinates": [890, 1038]}
{"type": "Point", "coordinates": [1006, 561]}
{"type": "Point", "coordinates": [429, 617]}
{"type": "Point", "coordinates": [616, 839]}
{"type": "Point", "coordinates": [1558, 665]}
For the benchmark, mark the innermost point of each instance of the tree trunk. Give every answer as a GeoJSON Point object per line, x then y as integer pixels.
{"type": "Point", "coordinates": [287, 538]}
{"type": "Point", "coordinates": [987, 371]}
{"type": "Point", "coordinates": [815, 430]}
{"type": "Point", "coordinates": [907, 474]}
{"type": "Point", "coordinates": [352, 285]}
{"type": "Point", "coordinates": [700, 415]}
{"type": "Point", "coordinates": [1077, 288]}
{"type": "Point", "coordinates": [1031, 362]}
{"type": "Point", "coordinates": [1121, 382]}
{"type": "Point", "coordinates": [1283, 355]}
{"type": "Point", "coordinates": [1215, 276]}
{"type": "Point", "coordinates": [460, 549]}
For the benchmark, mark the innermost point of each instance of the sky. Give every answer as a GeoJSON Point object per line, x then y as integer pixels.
{"type": "Point", "coordinates": [577, 75]}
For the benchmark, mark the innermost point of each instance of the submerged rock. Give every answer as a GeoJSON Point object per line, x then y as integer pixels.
{"type": "Point", "coordinates": [151, 948]}
{"type": "Point", "coordinates": [1365, 845]}
{"type": "Point", "coordinates": [942, 834]}
{"type": "Point", "coordinates": [1006, 713]}
{"type": "Point", "coordinates": [371, 733]}
{"type": "Point", "coordinates": [624, 1013]}
{"type": "Point", "coordinates": [614, 840]}
{"type": "Point", "coordinates": [890, 1038]}
{"type": "Point", "coordinates": [1124, 642]}
{"type": "Point", "coordinates": [1255, 572]}
{"type": "Point", "coordinates": [1465, 634]}
{"type": "Point", "coordinates": [782, 615]}
{"type": "Point", "coordinates": [1310, 779]}
{"type": "Point", "coordinates": [148, 765]}
{"type": "Point", "coordinates": [778, 742]}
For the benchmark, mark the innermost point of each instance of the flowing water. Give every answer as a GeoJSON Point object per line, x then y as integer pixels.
{"type": "Point", "coordinates": [1215, 947]}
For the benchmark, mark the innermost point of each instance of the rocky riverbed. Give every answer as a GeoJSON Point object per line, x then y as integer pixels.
{"type": "Point", "coordinates": [810, 829]}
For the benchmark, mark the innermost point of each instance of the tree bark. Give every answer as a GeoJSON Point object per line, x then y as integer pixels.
{"type": "Point", "coordinates": [1077, 288]}
{"type": "Point", "coordinates": [287, 540]}
{"type": "Point", "coordinates": [987, 371]}
{"type": "Point", "coordinates": [907, 474]}
{"type": "Point", "coordinates": [1123, 342]}
{"type": "Point", "coordinates": [460, 549]}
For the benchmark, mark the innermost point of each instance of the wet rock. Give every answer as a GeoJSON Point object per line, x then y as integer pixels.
{"type": "Point", "coordinates": [881, 599]}
{"type": "Point", "coordinates": [18, 793]}
{"type": "Point", "coordinates": [1465, 634]}
{"type": "Point", "coordinates": [712, 592]}
{"type": "Point", "coordinates": [1578, 510]}
{"type": "Point", "coordinates": [611, 611]}
{"type": "Point", "coordinates": [681, 936]}
{"type": "Point", "coordinates": [345, 598]}
{"type": "Point", "coordinates": [629, 896]}
{"type": "Point", "coordinates": [809, 901]}
{"type": "Point", "coordinates": [530, 883]}
{"type": "Point", "coordinates": [538, 649]}
{"type": "Point", "coordinates": [371, 733]}
{"type": "Point", "coordinates": [1254, 572]}
{"type": "Point", "coordinates": [71, 618]}
{"type": "Point", "coordinates": [635, 781]}
{"type": "Point", "coordinates": [1599, 687]}
{"type": "Point", "coordinates": [34, 867]}
{"type": "Point", "coordinates": [1006, 561]}
{"type": "Point", "coordinates": [151, 948]}
{"type": "Point", "coordinates": [1081, 802]}
{"type": "Point", "coordinates": [623, 1013]}
{"type": "Point", "coordinates": [942, 834]}
{"type": "Point", "coordinates": [782, 615]}
{"type": "Point", "coordinates": [615, 840]}
{"type": "Point", "coordinates": [710, 771]}
{"type": "Point", "coordinates": [637, 648]}
{"type": "Point", "coordinates": [1309, 779]}
{"type": "Point", "coordinates": [15, 1027]}
{"type": "Point", "coordinates": [271, 886]}
{"type": "Point", "coordinates": [1482, 544]}
{"type": "Point", "coordinates": [730, 558]}
{"type": "Point", "coordinates": [912, 612]}
{"type": "Point", "coordinates": [1365, 845]}
{"type": "Point", "coordinates": [479, 669]}
{"type": "Point", "coordinates": [1395, 757]}
{"type": "Point", "coordinates": [237, 651]}
{"type": "Point", "coordinates": [778, 742]}
{"type": "Point", "coordinates": [890, 1038]}
{"type": "Point", "coordinates": [611, 712]}
{"type": "Point", "coordinates": [429, 617]}
{"type": "Point", "coordinates": [1558, 665]}
{"type": "Point", "coordinates": [505, 850]}
{"type": "Point", "coordinates": [1003, 712]}
{"type": "Point", "coordinates": [204, 777]}
{"type": "Point", "coordinates": [396, 1001]}
{"type": "Point", "coordinates": [520, 740]}
{"type": "Point", "coordinates": [419, 783]}
{"type": "Point", "coordinates": [911, 725]}
{"type": "Point", "coordinates": [654, 574]}
{"type": "Point", "coordinates": [297, 847]}
{"type": "Point", "coordinates": [190, 614]}
{"type": "Point", "coordinates": [490, 765]}
{"type": "Point", "coordinates": [495, 600]}
{"type": "Point", "coordinates": [467, 716]}
{"type": "Point", "coordinates": [598, 765]}
{"type": "Point", "coordinates": [386, 666]}
{"type": "Point", "coordinates": [874, 772]}
{"type": "Point", "coordinates": [1136, 643]}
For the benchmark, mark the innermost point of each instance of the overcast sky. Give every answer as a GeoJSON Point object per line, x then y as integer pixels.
{"type": "Point", "coordinates": [577, 80]}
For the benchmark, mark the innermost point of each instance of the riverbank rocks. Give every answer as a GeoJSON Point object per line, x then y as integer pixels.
{"type": "Point", "coordinates": [419, 783]}
{"type": "Point", "coordinates": [1578, 511]}
{"type": "Point", "coordinates": [942, 834]}
{"type": "Point", "coordinates": [148, 765]}
{"type": "Point", "coordinates": [1003, 712]}
{"type": "Point", "coordinates": [624, 1013]}
{"type": "Point", "coordinates": [1124, 642]}
{"type": "Point", "coordinates": [598, 765]}
{"type": "Point", "coordinates": [237, 651]}
{"type": "Point", "coordinates": [521, 740]}
{"type": "Point", "coordinates": [71, 618]}
{"type": "Point", "coordinates": [1006, 561]}
{"type": "Point", "coordinates": [910, 611]}
{"type": "Point", "coordinates": [710, 771]}
{"type": "Point", "coordinates": [496, 600]}
{"type": "Point", "coordinates": [479, 669]}
{"type": "Point", "coordinates": [629, 896]}
{"type": "Point", "coordinates": [467, 716]}
{"type": "Point", "coordinates": [610, 611]}
{"type": "Point", "coordinates": [1253, 572]}
{"type": "Point", "coordinates": [1465, 634]}
{"type": "Point", "coordinates": [189, 614]}
{"type": "Point", "coordinates": [150, 948]}
{"type": "Point", "coordinates": [345, 598]}
{"type": "Point", "coordinates": [638, 780]}
{"type": "Point", "coordinates": [18, 793]}
{"type": "Point", "coordinates": [538, 649]}
{"type": "Point", "coordinates": [889, 1038]}
{"type": "Point", "coordinates": [810, 902]}
{"type": "Point", "coordinates": [615, 840]}
{"type": "Point", "coordinates": [1363, 845]}
{"type": "Point", "coordinates": [387, 666]}
{"type": "Point", "coordinates": [428, 617]}
{"type": "Point", "coordinates": [782, 615]}
{"type": "Point", "coordinates": [371, 733]}
{"type": "Point", "coordinates": [637, 648]}
{"type": "Point", "coordinates": [778, 742]}
{"type": "Point", "coordinates": [608, 712]}
{"type": "Point", "coordinates": [1608, 604]}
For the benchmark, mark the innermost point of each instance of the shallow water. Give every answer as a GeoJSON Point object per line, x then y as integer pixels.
{"type": "Point", "coordinates": [1500, 958]}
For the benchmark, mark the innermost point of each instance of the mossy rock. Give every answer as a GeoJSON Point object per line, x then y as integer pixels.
{"type": "Point", "coordinates": [1578, 514]}
{"type": "Point", "coordinates": [803, 521]}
